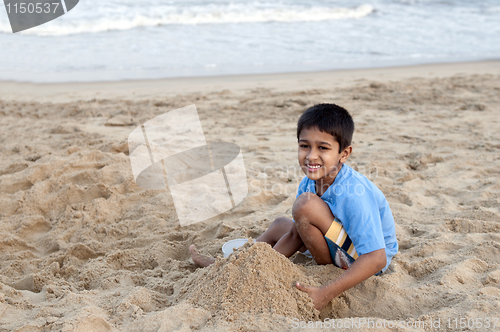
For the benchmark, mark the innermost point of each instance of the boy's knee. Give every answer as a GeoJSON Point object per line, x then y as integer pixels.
{"type": "Point", "coordinates": [304, 205]}
{"type": "Point", "coordinates": [281, 224]}
{"type": "Point", "coordinates": [281, 221]}
{"type": "Point", "coordinates": [286, 224]}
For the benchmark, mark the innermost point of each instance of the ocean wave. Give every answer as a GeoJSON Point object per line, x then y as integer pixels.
{"type": "Point", "coordinates": [107, 20]}
{"type": "Point", "coordinates": [493, 10]}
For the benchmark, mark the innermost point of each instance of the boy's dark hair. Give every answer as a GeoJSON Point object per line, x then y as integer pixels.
{"type": "Point", "coordinates": [328, 118]}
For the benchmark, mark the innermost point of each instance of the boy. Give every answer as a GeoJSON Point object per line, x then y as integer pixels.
{"type": "Point", "coordinates": [339, 215]}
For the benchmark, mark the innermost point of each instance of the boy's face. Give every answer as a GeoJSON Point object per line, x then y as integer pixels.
{"type": "Point", "coordinates": [319, 155]}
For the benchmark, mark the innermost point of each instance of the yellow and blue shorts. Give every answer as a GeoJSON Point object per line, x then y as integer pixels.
{"type": "Point", "coordinates": [341, 247]}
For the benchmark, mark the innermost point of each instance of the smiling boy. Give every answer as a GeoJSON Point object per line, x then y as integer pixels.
{"type": "Point", "coordinates": [339, 215]}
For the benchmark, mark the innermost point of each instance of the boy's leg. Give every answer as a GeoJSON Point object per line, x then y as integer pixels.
{"type": "Point", "coordinates": [290, 242]}
{"type": "Point", "coordinates": [282, 235]}
{"type": "Point", "coordinates": [313, 218]}
{"type": "Point", "coordinates": [276, 230]}
{"type": "Point", "coordinates": [280, 227]}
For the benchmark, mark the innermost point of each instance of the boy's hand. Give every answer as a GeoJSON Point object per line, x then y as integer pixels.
{"type": "Point", "coordinates": [316, 294]}
{"type": "Point", "coordinates": [364, 267]}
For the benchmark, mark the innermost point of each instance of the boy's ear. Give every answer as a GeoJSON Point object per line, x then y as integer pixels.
{"type": "Point", "coordinates": [345, 154]}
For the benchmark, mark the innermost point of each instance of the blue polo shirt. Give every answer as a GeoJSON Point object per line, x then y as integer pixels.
{"type": "Point", "coordinates": [362, 209]}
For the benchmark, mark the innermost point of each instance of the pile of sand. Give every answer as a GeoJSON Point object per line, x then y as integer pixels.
{"type": "Point", "coordinates": [254, 280]}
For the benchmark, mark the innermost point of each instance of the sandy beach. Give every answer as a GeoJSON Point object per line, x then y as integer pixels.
{"type": "Point", "coordinates": [83, 248]}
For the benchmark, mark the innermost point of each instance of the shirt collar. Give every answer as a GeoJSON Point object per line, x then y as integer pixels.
{"type": "Point", "coordinates": [338, 179]}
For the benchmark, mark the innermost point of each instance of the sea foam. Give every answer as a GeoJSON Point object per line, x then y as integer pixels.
{"type": "Point", "coordinates": [106, 18]}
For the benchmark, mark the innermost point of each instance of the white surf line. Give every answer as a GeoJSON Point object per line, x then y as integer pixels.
{"type": "Point", "coordinates": [64, 6]}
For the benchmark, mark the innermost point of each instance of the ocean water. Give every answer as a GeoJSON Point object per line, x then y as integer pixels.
{"type": "Point", "coordinates": [126, 39]}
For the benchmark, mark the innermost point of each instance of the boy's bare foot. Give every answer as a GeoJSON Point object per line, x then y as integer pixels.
{"type": "Point", "coordinates": [200, 259]}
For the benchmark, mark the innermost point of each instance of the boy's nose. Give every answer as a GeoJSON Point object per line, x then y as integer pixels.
{"type": "Point", "coordinates": [313, 155]}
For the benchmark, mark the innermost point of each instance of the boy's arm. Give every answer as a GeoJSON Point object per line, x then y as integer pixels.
{"type": "Point", "coordinates": [364, 267]}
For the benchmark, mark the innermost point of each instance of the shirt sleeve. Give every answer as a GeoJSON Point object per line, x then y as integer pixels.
{"type": "Point", "coordinates": [361, 220]}
{"type": "Point", "coordinates": [302, 186]}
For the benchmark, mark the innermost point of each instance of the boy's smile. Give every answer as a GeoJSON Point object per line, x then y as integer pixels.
{"type": "Point", "coordinates": [319, 157]}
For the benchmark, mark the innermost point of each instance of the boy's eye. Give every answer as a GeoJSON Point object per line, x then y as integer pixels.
{"type": "Point", "coordinates": [323, 148]}
{"type": "Point", "coordinates": [305, 146]}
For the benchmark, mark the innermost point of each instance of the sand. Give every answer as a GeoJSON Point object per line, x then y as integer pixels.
{"type": "Point", "coordinates": [83, 248]}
